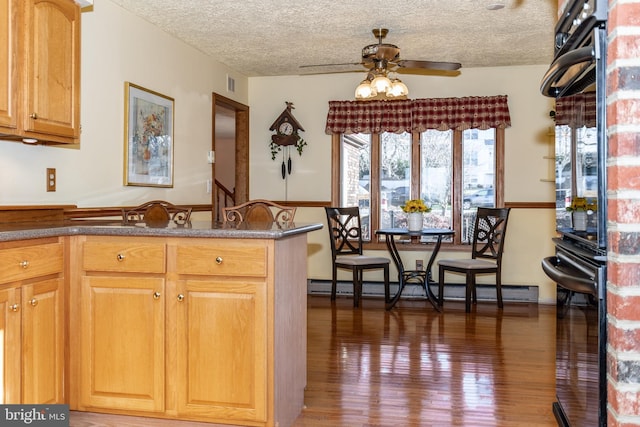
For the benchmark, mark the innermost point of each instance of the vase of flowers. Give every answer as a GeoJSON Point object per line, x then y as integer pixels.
{"type": "Point", "coordinates": [415, 208]}
{"type": "Point", "coordinates": [580, 208]}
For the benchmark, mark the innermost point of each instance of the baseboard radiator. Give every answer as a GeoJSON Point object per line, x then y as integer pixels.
{"type": "Point", "coordinates": [452, 291]}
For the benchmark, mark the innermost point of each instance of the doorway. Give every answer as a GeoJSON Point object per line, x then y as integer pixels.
{"type": "Point", "coordinates": [230, 142]}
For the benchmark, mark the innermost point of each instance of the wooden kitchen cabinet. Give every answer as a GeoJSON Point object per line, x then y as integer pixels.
{"type": "Point", "coordinates": [31, 300]}
{"type": "Point", "coordinates": [122, 329]}
{"type": "Point", "coordinates": [187, 328]}
{"type": "Point", "coordinates": [9, 26]}
{"type": "Point", "coordinates": [40, 70]}
{"type": "Point", "coordinates": [222, 330]}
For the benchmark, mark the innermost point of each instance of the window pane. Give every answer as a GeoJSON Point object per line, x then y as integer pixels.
{"type": "Point", "coordinates": [436, 153]}
{"type": "Point", "coordinates": [478, 178]}
{"type": "Point", "coordinates": [395, 178]}
{"type": "Point", "coordinates": [355, 176]}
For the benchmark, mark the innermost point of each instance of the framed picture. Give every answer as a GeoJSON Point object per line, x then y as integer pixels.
{"type": "Point", "coordinates": [148, 150]}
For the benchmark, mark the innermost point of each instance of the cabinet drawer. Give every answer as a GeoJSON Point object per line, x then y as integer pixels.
{"type": "Point", "coordinates": [131, 257]}
{"type": "Point", "coordinates": [235, 259]}
{"type": "Point", "coordinates": [30, 261]}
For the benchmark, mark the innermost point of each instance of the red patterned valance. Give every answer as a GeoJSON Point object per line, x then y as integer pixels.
{"type": "Point", "coordinates": [369, 117]}
{"type": "Point", "coordinates": [576, 110]}
{"type": "Point", "coordinates": [418, 115]}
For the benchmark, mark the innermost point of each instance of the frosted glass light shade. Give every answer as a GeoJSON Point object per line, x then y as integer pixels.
{"type": "Point", "coordinates": [397, 89]}
{"type": "Point", "coordinates": [365, 90]}
{"type": "Point", "coordinates": [381, 83]}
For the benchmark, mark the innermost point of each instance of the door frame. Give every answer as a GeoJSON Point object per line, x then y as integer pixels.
{"type": "Point", "coordinates": [241, 149]}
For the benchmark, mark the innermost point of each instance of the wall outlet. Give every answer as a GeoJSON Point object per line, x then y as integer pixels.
{"type": "Point", "coordinates": [419, 265]}
{"type": "Point", "coordinates": [51, 179]}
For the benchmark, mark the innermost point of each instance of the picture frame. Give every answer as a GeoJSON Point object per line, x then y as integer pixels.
{"type": "Point", "coordinates": [148, 130]}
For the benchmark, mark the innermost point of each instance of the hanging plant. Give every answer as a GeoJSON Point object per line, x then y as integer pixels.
{"type": "Point", "coordinates": [276, 147]}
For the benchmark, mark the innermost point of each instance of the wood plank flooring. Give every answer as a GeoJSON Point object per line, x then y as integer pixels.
{"type": "Point", "coordinates": [414, 366]}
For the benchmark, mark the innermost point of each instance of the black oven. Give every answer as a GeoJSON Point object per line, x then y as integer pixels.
{"type": "Point", "coordinates": [581, 330]}
{"type": "Point", "coordinates": [576, 79]}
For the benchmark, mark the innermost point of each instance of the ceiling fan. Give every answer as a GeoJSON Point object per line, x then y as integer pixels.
{"type": "Point", "coordinates": [385, 57]}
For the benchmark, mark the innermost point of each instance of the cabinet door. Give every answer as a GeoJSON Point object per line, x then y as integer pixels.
{"type": "Point", "coordinates": [8, 63]}
{"type": "Point", "coordinates": [222, 349]}
{"type": "Point", "coordinates": [53, 67]}
{"type": "Point", "coordinates": [10, 341]}
{"type": "Point", "coordinates": [42, 342]}
{"type": "Point", "coordinates": [122, 343]}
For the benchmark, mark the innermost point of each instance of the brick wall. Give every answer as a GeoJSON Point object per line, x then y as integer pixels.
{"type": "Point", "coordinates": [623, 198]}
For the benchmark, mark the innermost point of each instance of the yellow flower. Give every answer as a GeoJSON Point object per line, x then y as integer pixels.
{"type": "Point", "coordinates": [415, 205]}
{"type": "Point", "coordinates": [580, 204]}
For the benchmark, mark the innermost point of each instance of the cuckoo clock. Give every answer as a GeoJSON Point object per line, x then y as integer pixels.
{"type": "Point", "coordinates": [286, 129]}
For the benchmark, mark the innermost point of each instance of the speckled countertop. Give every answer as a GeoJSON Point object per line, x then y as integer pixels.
{"type": "Point", "coordinates": [35, 230]}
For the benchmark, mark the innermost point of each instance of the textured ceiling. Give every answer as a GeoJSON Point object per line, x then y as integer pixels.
{"type": "Point", "coordinates": [276, 37]}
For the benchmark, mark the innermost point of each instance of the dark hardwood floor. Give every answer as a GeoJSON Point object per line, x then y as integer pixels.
{"type": "Point", "coordinates": [413, 366]}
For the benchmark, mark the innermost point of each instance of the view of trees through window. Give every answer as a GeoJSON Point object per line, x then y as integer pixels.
{"type": "Point", "coordinates": [384, 171]}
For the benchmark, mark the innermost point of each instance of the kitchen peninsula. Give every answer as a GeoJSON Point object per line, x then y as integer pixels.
{"type": "Point", "coordinates": [202, 321]}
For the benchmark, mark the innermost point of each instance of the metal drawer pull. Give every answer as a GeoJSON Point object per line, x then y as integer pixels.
{"type": "Point", "coordinates": [24, 264]}
{"type": "Point", "coordinates": [33, 302]}
{"type": "Point", "coordinates": [156, 295]}
{"type": "Point", "coordinates": [219, 260]}
{"type": "Point", "coordinates": [34, 116]}
{"type": "Point", "coordinates": [120, 257]}
{"type": "Point", "coordinates": [14, 307]}
{"type": "Point", "coordinates": [180, 297]}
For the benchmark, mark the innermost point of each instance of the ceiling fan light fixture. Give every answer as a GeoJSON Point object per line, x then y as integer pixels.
{"type": "Point", "coordinates": [381, 84]}
{"type": "Point", "coordinates": [365, 90]}
{"type": "Point", "coordinates": [397, 89]}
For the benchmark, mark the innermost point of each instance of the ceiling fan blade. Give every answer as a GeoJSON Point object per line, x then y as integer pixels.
{"type": "Point", "coordinates": [433, 65]}
{"type": "Point", "coordinates": [331, 65]}
{"type": "Point", "coordinates": [325, 72]}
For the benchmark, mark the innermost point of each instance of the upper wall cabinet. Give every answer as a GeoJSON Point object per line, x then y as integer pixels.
{"type": "Point", "coordinates": [40, 70]}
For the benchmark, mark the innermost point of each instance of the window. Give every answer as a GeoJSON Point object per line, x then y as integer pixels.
{"type": "Point", "coordinates": [454, 172]}
{"type": "Point", "coordinates": [446, 151]}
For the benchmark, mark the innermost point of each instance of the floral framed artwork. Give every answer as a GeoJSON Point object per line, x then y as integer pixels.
{"type": "Point", "coordinates": [148, 150]}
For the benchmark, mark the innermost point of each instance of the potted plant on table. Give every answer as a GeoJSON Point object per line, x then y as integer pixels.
{"type": "Point", "coordinates": [414, 209]}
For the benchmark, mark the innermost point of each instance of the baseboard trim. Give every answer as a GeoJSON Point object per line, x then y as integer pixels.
{"type": "Point", "coordinates": [452, 291]}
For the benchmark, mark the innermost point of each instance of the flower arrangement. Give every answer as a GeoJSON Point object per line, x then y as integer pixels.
{"type": "Point", "coordinates": [415, 205]}
{"type": "Point", "coordinates": [581, 204]}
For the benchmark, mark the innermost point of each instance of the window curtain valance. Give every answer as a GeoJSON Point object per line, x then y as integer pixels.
{"type": "Point", "coordinates": [479, 112]}
{"type": "Point", "coordinates": [576, 110]}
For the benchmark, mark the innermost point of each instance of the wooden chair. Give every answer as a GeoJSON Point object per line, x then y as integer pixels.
{"type": "Point", "coordinates": [157, 213]}
{"type": "Point", "coordinates": [487, 247]}
{"type": "Point", "coordinates": [259, 211]}
{"type": "Point", "coordinates": [345, 234]}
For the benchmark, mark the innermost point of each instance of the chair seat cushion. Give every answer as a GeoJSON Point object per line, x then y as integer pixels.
{"type": "Point", "coordinates": [467, 264]}
{"type": "Point", "coordinates": [360, 260]}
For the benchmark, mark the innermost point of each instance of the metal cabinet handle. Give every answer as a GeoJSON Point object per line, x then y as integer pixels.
{"type": "Point", "coordinates": [34, 116]}
{"type": "Point", "coordinates": [156, 295]}
{"type": "Point", "coordinates": [219, 260]}
{"type": "Point", "coordinates": [120, 257]}
{"type": "Point", "coordinates": [33, 302]}
{"type": "Point", "coordinates": [180, 297]}
{"type": "Point", "coordinates": [14, 307]}
{"type": "Point", "coordinates": [24, 264]}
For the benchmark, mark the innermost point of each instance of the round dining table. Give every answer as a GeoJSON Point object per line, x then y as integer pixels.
{"type": "Point", "coordinates": [422, 277]}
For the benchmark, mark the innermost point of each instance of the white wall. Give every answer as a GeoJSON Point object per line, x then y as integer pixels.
{"type": "Point", "coordinates": [527, 144]}
{"type": "Point", "coordinates": [119, 47]}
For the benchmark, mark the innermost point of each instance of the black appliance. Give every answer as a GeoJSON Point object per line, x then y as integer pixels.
{"type": "Point", "coordinates": [576, 78]}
